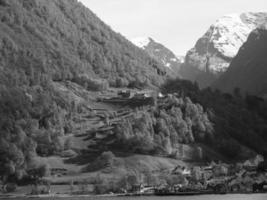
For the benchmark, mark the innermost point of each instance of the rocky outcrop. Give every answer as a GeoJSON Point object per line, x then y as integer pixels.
{"type": "Point", "coordinates": [248, 70]}
{"type": "Point", "coordinates": [213, 52]}
{"type": "Point", "coordinates": [161, 53]}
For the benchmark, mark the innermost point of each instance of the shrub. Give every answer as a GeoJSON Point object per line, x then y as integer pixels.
{"type": "Point", "coordinates": [91, 84]}
{"type": "Point", "coordinates": [10, 187]}
{"type": "Point", "coordinates": [106, 159]}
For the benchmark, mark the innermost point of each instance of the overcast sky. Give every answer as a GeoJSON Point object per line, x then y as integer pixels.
{"type": "Point", "coordinates": [175, 23]}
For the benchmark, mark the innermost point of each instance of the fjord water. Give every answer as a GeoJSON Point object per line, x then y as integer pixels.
{"type": "Point", "coordinates": [200, 197]}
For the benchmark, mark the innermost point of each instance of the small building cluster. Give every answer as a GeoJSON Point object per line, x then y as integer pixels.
{"type": "Point", "coordinates": [133, 98]}
{"type": "Point", "coordinates": [248, 176]}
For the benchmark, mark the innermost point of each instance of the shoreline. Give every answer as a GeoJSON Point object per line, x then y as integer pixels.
{"type": "Point", "coordinates": [14, 196]}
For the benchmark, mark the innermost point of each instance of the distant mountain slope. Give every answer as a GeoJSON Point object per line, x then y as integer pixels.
{"type": "Point", "coordinates": [66, 40]}
{"type": "Point", "coordinates": [161, 53]}
{"type": "Point", "coordinates": [248, 70]}
{"type": "Point", "coordinates": [214, 51]}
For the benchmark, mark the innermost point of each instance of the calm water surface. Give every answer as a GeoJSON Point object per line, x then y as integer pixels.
{"type": "Point", "coordinates": [201, 197]}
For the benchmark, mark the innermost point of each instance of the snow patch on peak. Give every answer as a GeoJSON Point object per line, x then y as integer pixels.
{"type": "Point", "coordinates": [180, 58]}
{"type": "Point", "coordinates": [141, 42]}
{"type": "Point", "coordinates": [168, 65]}
{"type": "Point", "coordinates": [174, 59]}
{"type": "Point", "coordinates": [230, 31]}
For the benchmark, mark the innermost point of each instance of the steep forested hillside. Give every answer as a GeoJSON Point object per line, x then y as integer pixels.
{"type": "Point", "coordinates": [44, 43]}
{"type": "Point", "coordinates": [66, 40]}
{"type": "Point", "coordinates": [237, 120]}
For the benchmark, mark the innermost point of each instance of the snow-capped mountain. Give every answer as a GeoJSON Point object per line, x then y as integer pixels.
{"type": "Point", "coordinates": [231, 31]}
{"type": "Point", "coordinates": [248, 70]}
{"type": "Point", "coordinates": [159, 52]}
{"type": "Point", "coordinates": [214, 51]}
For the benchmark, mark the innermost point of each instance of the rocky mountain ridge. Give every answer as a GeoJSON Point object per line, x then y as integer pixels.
{"type": "Point", "coordinates": [248, 69]}
{"type": "Point", "coordinates": [214, 51]}
{"type": "Point", "coordinates": [161, 53]}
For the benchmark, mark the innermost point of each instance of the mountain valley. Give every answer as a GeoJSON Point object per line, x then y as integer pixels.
{"type": "Point", "coordinates": [82, 105]}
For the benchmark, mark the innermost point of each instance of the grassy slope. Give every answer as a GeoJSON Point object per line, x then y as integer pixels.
{"type": "Point", "coordinates": [124, 163]}
{"type": "Point", "coordinates": [122, 166]}
{"type": "Point", "coordinates": [129, 163]}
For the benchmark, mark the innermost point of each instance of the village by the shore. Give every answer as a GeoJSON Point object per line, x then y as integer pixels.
{"type": "Point", "coordinates": [214, 178]}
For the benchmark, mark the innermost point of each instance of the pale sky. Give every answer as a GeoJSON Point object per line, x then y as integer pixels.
{"type": "Point", "coordinates": [175, 23]}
